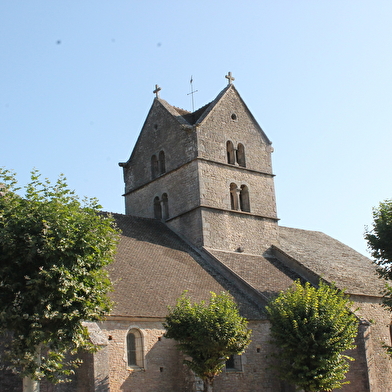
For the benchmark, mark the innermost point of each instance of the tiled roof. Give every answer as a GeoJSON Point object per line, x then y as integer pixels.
{"type": "Point", "coordinates": [267, 275]}
{"type": "Point", "coordinates": [332, 260]}
{"type": "Point", "coordinates": [154, 266]}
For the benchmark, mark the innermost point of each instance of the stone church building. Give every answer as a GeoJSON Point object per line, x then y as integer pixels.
{"type": "Point", "coordinates": [200, 215]}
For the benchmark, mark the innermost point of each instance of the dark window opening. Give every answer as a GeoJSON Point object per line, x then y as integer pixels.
{"type": "Point", "coordinates": [241, 155]}
{"type": "Point", "coordinates": [157, 208]}
{"type": "Point", "coordinates": [244, 199]}
{"type": "Point", "coordinates": [233, 196]}
{"type": "Point", "coordinates": [162, 164]}
{"type": "Point", "coordinates": [230, 152]}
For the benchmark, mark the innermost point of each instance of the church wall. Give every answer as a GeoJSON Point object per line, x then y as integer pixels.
{"type": "Point", "coordinates": [378, 363]}
{"type": "Point", "coordinates": [257, 374]}
{"type": "Point", "coordinates": [181, 186]}
{"type": "Point", "coordinates": [161, 132]}
{"type": "Point", "coordinates": [215, 180]}
{"type": "Point", "coordinates": [189, 226]}
{"type": "Point", "coordinates": [164, 371]}
{"type": "Point", "coordinates": [219, 127]}
{"type": "Point", "coordinates": [231, 230]}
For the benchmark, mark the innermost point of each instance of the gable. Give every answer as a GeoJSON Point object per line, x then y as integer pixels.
{"type": "Point", "coordinates": [164, 132]}
{"type": "Point", "coordinates": [228, 120]}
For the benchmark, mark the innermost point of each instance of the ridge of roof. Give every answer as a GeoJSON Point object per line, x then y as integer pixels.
{"type": "Point", "coordinates": [175, 112]}
{"type": "Point", "coordinates": [196, 117]}
{"type": "Point", "coordinates": [213, 103]}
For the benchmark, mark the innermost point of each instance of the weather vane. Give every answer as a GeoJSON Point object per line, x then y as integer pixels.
{"type": "Point", "coordinates": [191, 93]}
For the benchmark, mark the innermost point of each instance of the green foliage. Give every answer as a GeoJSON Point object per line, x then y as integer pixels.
{"type": "Point", "coordinates": [312, 327]}
{"type": "Point", "coordinates": [379, 239]}
{"type": "Point", "coordinates": [208, 333]}
{"type": "Point", "coordinates": [53, 248]}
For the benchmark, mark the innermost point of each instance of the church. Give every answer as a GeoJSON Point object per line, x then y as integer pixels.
{"type": "Point", "coordinates": [200, 215]}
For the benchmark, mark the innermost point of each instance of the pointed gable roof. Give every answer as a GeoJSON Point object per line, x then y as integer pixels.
{"type": "Point", "coordinates": [197, 117]}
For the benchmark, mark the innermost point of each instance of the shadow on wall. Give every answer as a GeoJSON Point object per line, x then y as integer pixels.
{"type": "Point", "coordinates": [163, 371]}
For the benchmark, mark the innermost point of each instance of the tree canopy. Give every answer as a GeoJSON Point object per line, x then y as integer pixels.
{"type": "Point", "coordinates": [379, 238]}
{"type": "Point", "coordinates": [53, 250]}
{"type": "Point", "coordinates": [311, 328]}
{"type": "Point", "coordinates": [208, 333]}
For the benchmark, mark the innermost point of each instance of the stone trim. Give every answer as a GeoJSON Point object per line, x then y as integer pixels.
{"type": "Point", "coordinates": [234, 212]}
{"type": "Point", "coordinates": [244, 169]}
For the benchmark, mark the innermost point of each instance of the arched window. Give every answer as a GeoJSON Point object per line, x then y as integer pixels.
{"type": "Point", "coordinates": [162, 165]}
{"type": "Point", "coordinates": [233, 196]}
{"type": "Point", "coordinates": [165, 205]}
{"type": "Point", "coordinates": [135, 348]}
{"type": "Point", "coordinates": [230, 152]}
{"type": "Point", "coordinates": [154, 166]}
{"type": "Point", "coordinates": [241, 155]}
{"type": "Point", "coordinates": [157, 208]}
{"type": "Point", "coordinates": [244, 199]}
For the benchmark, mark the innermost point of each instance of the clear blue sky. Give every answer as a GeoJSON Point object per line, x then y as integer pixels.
{"type": "Point", "coordinates": [77, 77]}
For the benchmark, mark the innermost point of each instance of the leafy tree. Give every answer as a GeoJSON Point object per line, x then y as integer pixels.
{"type": "Point", "coordinates": [208, 333]}
{"type": "Point", "coordinates": [53, 248]}
{"type": "Point", "coordinates": [379, 241]}
{"type": "Point", "coordinates": [312, 327]}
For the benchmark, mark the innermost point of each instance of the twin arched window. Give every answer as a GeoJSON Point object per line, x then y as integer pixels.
{"type": "Point", "coordinates": [135, 356]}
{"type": "Point", "coordinates": [239, 198]}
{"type": "Point", "coordinates": [234, 155]}
{"type": "Point", "coordinates": [161, 207]}
{"type": "Point", "coordinates": [158, 165]}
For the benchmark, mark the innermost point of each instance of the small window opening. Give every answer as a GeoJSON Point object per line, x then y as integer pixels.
{"type": "Point", "coordinates": [241, 155]}
{"type": "Point", "coordinates": [233, 196]}
{"type": "Point", "coordinates": [134, 348]}
{"type": "Point", "coordinates": [165, 205]}
{"type": "Point", "coordinates": [234, 363]}
{"type": "Point", "coordinates": [162, 164]}
{"type": "Point", "coordinates": [230, 152]}
{"type": "Point", "coordinates": [157, 208]}
{"type": "Point", "coordinates": [234, 117]}
{"type": "Point", "coordinates": [244, 199]}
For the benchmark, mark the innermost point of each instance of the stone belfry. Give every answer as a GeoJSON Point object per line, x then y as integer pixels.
{"type": "Point", "coordinates": [207, 174]}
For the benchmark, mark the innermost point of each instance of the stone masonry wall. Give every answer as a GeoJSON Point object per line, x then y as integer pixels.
{"type": "Point", "coordinates": [215, 180]}
{"type": "Point", "coordinates": [233, 230]}
{"type": "Point", "coordinates": [161, 132]}
{"type": "Point", "coordinates": [189, 226]}
{"type": "Point", "coordinates": [164, 371]}
{"type": "Point", "coordinates": [379, 364]}
{"type": "Point", "coordinates": [219, 127]}
{"type": "Point", "coordinates": [181, 186]}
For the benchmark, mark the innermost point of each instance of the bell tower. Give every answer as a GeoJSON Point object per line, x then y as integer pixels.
{"type": "Point", "coordinates": [207, 174]}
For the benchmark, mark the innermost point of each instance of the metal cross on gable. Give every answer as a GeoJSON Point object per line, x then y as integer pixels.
{"type": "Point", "coordinates": [157, 90]}
{"type": "Point", "coordinates": [229, 78]}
